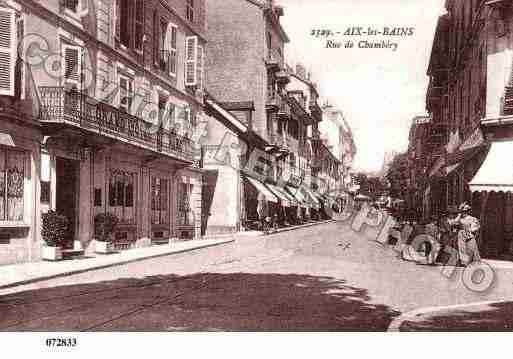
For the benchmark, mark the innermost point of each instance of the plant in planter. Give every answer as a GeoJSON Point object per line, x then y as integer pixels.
{"type": "Point", "coordinates": [104, 226]}
{"type": "Point", "coordinates": [54, 231]}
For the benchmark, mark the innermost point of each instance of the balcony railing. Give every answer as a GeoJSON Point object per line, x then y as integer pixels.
{"type": "Point", "coordinates": [273, 101]}
{"type": "Point", "coordinates": [78, 109]}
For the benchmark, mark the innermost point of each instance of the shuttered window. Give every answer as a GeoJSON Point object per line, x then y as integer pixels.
{"type": "Point", "coordinates": [72, 64]}
{"type": "Point", "coordinates": [191, 60]}
{"type": "Point", "coordinates": [199, 67]}
{"type": "Point", "coordinates": [172, 49]}
{"type": "Point", "coordinates": [7, 51]}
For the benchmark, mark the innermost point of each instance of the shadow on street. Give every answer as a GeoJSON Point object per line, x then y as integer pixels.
{"type": "Point", "coordinates": [198, 302]}
{"type": "Point", "coordinates": [490, 317]}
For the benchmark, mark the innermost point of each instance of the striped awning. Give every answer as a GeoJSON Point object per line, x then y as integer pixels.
{"type": "Point", "coordinates": [496, 173]}
{"type": "Point", "coordinates": [262, 189]}
{"type": "Point", "coordinates": [296, 193]}
{"type": "Point", "coordinates": [287, 200]}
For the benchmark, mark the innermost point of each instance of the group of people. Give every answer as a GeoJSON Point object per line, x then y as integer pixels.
{"type": "Point", "coordinates": [454, 234]}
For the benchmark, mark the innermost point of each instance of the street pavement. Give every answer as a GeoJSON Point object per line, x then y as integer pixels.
{"type": "Point", "coordinates": [321, 278]}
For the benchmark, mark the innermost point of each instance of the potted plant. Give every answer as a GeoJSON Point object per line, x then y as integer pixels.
{"type": "Point", "coordinates": [104, 226]}
{"type": "Point", "coordinates": [54, 231]}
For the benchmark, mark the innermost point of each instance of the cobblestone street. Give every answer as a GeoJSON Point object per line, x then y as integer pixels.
{"type": "Point", "coordinates": [321, 278]}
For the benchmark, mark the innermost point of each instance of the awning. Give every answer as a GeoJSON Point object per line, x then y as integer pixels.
{"type": "Point", "coordinates": [457, 159]}
{"type": "Point", "coordinates": [496, 173]}
{"type": "Point", "coordinates": [287, 200]}
{"type": "Point", "coordinates": [300, 198]}
{"type": "Point", "coordinates": [262, 189]}
{"type": "Point", "coordinates": [313, 198]}
{"type": "Point", "coordinates": [226, 115]}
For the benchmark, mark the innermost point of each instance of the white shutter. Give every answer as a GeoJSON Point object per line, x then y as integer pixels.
{"type": "Point", "coordinates": [72, 64]}
{"type": "Point", "coordinates": [191, 60]}
{"type": "Point", "coordinates": [171, 47]}
{"type": "Point", "coordinates": [199, 67]}
{"type": "Point", "coordinates": [7, 51]}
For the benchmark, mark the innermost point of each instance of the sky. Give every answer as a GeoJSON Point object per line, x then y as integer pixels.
{"type": "Point", "coordinates": [379, 90]}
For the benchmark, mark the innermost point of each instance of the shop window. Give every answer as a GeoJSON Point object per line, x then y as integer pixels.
{"type": "Point", "coordinates": [12, 177]}
{"type": "Point", "coordinates": [122, 195]}
{"type": "Point", "coordinates": [159, 201]}
{"type": "Point", "coordinates": [184, 204]}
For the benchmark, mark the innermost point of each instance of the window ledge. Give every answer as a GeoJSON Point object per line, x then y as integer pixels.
{"type": "Point", "coordinates": [14, 225]}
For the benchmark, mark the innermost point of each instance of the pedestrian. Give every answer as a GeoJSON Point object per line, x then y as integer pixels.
{"type": "Point", "coordinates": [468, 230]}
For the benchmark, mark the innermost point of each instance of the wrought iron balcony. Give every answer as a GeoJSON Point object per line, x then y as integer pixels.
{"type": "Point", "coordinates": [284, 110]}
{"type": "Point", "coordinates": [74, 108]}
{"type": "Point", "coordinates": [273, 102]}
{"type": "Point", "coordinates": [283, 77]}
{"type": "Point", "coordinates": [274, 61]}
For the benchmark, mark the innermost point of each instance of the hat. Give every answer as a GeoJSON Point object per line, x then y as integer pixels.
{"type": "Point", "coordinates": [464, 207]}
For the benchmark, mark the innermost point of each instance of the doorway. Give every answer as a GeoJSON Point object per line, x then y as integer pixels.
{"type": "Point", "coordinates": [67, 195]}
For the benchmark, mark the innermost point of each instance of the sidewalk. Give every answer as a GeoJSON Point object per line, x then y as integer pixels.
{"type": "Point", "coordinates": [25, 273]}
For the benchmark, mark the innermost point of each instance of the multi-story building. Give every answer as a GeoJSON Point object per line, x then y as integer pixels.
{"type": "Point", "coordinates": [338, 137]}
{"type": "Point", "coordinates": [469, 98]}
{"type": "Point", "coordinates": [256, 73]}
{"type": "Point", "coordinates": [417, 158]}
{"type": "Point", "coordinates": [100, 101]}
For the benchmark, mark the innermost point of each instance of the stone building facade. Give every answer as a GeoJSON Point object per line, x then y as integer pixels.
{"type": "Point", "coordinates": [469, 98]}
{"type": "Point", "coordinates": [111, 101]}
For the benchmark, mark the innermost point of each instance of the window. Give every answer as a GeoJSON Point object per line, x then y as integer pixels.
{"type": "Point", "coordinates": [199, 67]}
{"type": "Point", "coordinates": [71, 5]}
{"type": "Point", "coordinates": [126, 93]}
{"type": "Point", "coordinates": [45, 177]}
{"type": "Point", "coordinates": [173, 50]}
{"type": "Point", "coordinates": [125, 15]}
{"type": "Point", "coordinates": [72, 65]}
{"type": "Point", "coordinates": [164, 52]}
{"type": "Point", "coordinates": [122, 195]}
{"type": "Point", "coordinates": [184, 204]}
{"type": "Point", "coordinates": [189, 15]}
{"type": "Point", "coordinates": [7, 51]}
{"type": "Point", "coordinates": [12, 176]}
{"type": "Point", "coordinates": [191, 61]}
{"type": "Point", "coordinates": [159, 201]}
{"type": "Point", "coordinates": [139, 25]}
{"type": "Point", "coordinates": [156, 47]}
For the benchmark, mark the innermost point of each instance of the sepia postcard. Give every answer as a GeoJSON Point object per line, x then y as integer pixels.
{"type": "Point", "coordinates": [234, 166]}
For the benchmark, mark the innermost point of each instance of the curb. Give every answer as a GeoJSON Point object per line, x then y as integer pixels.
{"type": "Point", "coordinates": [104, 266]}
{"type": "Point", "coordinates": [298, 227]}
{"type": "Point", "coordinates": [395, 325]}
{"type": "Point", "coordinates": [260, 233]}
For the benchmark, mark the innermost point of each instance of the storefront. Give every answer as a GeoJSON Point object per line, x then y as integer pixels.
{"type": "Point", "coordinates": [260, 202]}
{"type": "Point", "coordinates": [20, 239]}
{"type": "Point", "coordinates": [492, 201]}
